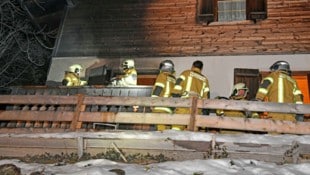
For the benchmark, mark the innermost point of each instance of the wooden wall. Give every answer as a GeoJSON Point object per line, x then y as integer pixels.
{"type": "Point", "coordinates": [135, 28]}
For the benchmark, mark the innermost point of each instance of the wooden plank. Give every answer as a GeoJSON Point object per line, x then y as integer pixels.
{"type": "Point", "coordinates": [255, 106]}
{"type": "Point", "coordinates": [249, 124]}
{"type": "Point", "coordinates": [21, 152]}
{"type": "Point", "coordinates": [140, 101]}
{"type": "Point", "coordinates": [20, 142]}
{"type": "Point", "coordinates": [135, 118]}
{"type": "Point", "coordinates": [266, 157]}
{"type": "Point", "coordinates": [174, 147]}
{"type": "Point", "coordinates": [148, 101]}
{"type": "Point", "coordinates": [36, 116]}
{"type": "Point", "coordinates": [79, 107]}
{"type": "Point", "coordinates": [37, 99]}
{"type": "Point", "coordinates": [194, 112]}
{"type": "Point", "coordinates": [33, 130]}
{"type": "Point", "coordinates": [157, 144]}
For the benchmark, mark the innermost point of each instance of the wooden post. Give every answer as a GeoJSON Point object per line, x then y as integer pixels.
{"type": "Point", "coordinates": [80, 145]}
{"type": "Point", "coordinates": [75, 124]}
{"type": "Point", "coordinates": [194, 111]}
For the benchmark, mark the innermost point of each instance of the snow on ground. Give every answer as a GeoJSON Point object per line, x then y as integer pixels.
{"type": "Point", "coordinates": [188, 167]}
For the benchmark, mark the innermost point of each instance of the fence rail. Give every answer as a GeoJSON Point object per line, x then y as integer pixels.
{"type": "Point", "coordinates": [53, 111]}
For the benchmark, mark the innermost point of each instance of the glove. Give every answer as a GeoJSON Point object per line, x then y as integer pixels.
{"type": "Point", "coordinates": [221, 98]}
{"type": "Point", "coordinates": [299, 117]}
{"type": "Point", "coordinates": [176, 95]}
{"type": "Point", "coordinates": [205, 112]}
{"type": "Point", "coordinates": [254, 115]}
{"type": "Point", "coordinates": [248, 114]}
{"type": "Point", "coordinates": [219, 112]}
{"type": "Point", "coordinates": [65, 82]}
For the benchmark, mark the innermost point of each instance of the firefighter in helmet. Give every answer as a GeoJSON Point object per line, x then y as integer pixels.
{"type": "Point", "coordinates": [239, 92]}
{"type": "Point", "coordinates": [191, 83]}
{"type": "Point", "coordinates": [129, 78]}
{"type": "Point", "coordinates": [72, 77]}
{"type": "Point", "coordinates": [280, 87]}
{"type": "Point", "coordinates": [162, 88]}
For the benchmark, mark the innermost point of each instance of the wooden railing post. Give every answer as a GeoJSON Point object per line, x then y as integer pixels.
{"type": "Point", "coordinates": [194, 111]}
{"type": "Point", "coordinates": [75, 124]}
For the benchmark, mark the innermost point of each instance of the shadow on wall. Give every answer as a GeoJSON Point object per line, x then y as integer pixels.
{"type": "Point", "coordinates": [110, 28]}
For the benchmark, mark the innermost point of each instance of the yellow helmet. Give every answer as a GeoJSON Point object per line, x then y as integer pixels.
{"type": "Point", "coordinates": [76, 68]}
{"type": "Point", "coordinates": [128, 64]}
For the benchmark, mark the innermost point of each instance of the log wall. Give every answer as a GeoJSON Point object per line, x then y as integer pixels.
{"type": "Point", "coordinates": [117, 28]}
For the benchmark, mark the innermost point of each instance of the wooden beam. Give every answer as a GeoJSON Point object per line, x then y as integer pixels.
{"type": "Point", "coordinates": [139, 101]}
{"type": "Point", "coordinates": [135, 118]}
{"type": "Point", "coordinates": [249, 124]}
{"type": "Point", "coordinates": [255, 106]}
{"type": "Point", "coordinates": [194, 112]}
{"type": "Point", "coordinates": [263, 125]}
{"type": "Point", "coordinates": [79, 107]}
{"type": "Point", "coordinates": [155, 143]}
{"type": "Point", "coordinates": [65, 116]}
{"type": "Point", "coordinates": [38, 99]}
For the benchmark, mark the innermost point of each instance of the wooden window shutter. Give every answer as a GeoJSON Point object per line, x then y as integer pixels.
{"type": "Point", "coordinates": [206, 10]}
{"type": "Point", "coordinates": [256, 9]}
{"type": "Point", "coordinates": [251, 77]}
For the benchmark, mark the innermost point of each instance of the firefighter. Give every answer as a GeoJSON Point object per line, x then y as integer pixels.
{"type": "Point", "coordinates": [130, 74]}
{"type": "Point", "coordinates": [239, 92]}
{"type": "Point", "coordinates": [280, 87]}
{"type": "Point", "coordinates": [162, 88]}
{"type": "Point", "coordinates": [72, 77]}
{"type": "Point", "coordinates": [191, 83]}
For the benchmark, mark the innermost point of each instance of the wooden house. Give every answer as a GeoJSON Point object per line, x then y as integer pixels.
{"type": "Point", "coordinates": [236, 39]}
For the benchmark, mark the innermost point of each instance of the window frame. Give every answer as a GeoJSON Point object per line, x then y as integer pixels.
{"type": "Point", "coordinates": [207, 10]}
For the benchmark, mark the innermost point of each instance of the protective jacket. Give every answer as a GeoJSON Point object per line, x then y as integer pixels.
{"type": "Point", "coordinates": [72, 79]}
{"type": "Point", "coordinates": [279, 87]}
{"type": "Point", "coordinates": [129, 78]}
{"type": "Point", "coordinates": [192, 83]}
{"type": "Point", "coordinates": [164, 84]}
{"type": "Point", "coordinates": [231, 113]}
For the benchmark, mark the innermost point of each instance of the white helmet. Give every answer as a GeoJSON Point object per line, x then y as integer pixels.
{"type": "Point", "coordinates": [76, 68]}
{"type": "Point", "coordinates": [128, 64]}
{"type": "Point", "coordinates": [236, 92]}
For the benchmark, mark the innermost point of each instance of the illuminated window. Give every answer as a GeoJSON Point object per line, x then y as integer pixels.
{"type": "Point", "coordinates": [231, 10]}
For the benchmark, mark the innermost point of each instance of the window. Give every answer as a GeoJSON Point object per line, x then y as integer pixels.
{"type": "Point", "coordinates": [231, 10]}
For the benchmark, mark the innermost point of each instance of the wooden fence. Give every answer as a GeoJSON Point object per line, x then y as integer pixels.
{"type": "Point", "coordinates": [71, 112]}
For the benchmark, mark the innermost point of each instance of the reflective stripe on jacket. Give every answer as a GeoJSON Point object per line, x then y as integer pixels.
{"type": "Point", "coordinates": [192, 83]}
{"type": "Point", "coordinates": [279, 87]}
{"type": "Point", "coordinates": [163, 85]}
{"type": "Point", "coordinates": [72, 79]}
{"type": "Point", "coordinates": [130, 78]}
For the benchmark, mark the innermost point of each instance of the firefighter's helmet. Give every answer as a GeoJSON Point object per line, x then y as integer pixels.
{"type": "Point", "coordinates": [280, 65]}
{"type": "Point", "coordinates": [239, 90]}
{"type": "Point", "coordinates": [76, 68]}
{"type": "Point", "coordinates": [128, 64]}
{"type": "Point", "coordinates": [166, 66]}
